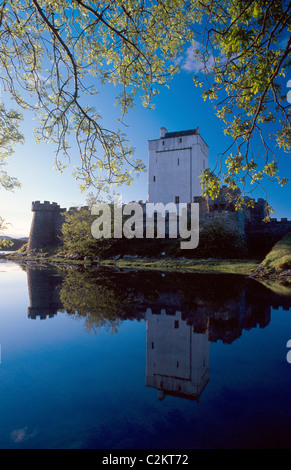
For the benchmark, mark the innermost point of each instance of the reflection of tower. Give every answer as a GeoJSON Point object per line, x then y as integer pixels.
{"type": "Point", "coordinates": [177, 357]}
{"type": "Point", "coordinates": [43, 288]}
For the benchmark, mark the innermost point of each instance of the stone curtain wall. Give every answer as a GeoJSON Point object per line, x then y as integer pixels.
{"type": "Point", "coordinates": [48, 218]}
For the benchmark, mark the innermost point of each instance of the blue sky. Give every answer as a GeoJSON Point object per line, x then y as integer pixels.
{"type": "Point", "coordinates": [178, 108]}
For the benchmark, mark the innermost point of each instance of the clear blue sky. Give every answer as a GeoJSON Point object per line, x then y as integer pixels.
{"type": "Point", "coordinates": [178, 108]}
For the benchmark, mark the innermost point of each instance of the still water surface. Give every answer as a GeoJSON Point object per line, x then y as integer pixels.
{"type": "Point", "coordinates": [124, 360]}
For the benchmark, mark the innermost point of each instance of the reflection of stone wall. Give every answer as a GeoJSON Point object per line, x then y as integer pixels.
{"type": "Point", "coordinates": [206, 302]}
{"type": "Point", "coordinates": [177, 357]}
{"type": "Point", "coordinates": [183, 312]}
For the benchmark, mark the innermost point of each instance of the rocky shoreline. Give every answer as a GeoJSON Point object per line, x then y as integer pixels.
{"type": "Point", "coordinates": [263, 273]}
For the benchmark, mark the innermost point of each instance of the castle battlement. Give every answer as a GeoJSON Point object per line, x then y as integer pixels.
{"type": "Point", "coordinates": [78, 209]}
{"type": "Point", "coordinates": [53, 206]}
{"type": "Point", "coordinates": [48, 218]}
{"type": "Point", "coordinates": [45, 206]}
{"type": "Point", "coordinates": [283, 219]}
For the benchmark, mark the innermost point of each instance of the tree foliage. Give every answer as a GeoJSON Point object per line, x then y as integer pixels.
{"type": "Point", "coordinates": [56, 54]}
{"type": "Point", "coordinates": [76, 233]}
{"type": "Point", "coordinates": [246, 49]}
{"type": "Point", "coordinates": [99, 304]}
{"type": "Point", "coordinates": [9, 136]}
{"type": "Point", "coordinates": [3, 241]}
{"type": "Point", "coordinates": [219, 239]}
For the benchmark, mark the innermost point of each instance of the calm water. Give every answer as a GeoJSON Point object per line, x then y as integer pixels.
{"type": "Point", "coordinates": [127, 360]}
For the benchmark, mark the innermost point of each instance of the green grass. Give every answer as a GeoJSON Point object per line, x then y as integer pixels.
{"type": "Point", "coordinates": [278, 288]}
{"type": "Point", "coordinates": [229, 266]}
{"type": "Point", "coordinates": [279, 257]}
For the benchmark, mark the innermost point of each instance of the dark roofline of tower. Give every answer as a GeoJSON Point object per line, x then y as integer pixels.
{"type": "Point", "coordinates": [168, 135]}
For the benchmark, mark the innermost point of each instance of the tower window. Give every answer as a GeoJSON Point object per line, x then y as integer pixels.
{"type": "Point", "coordinates": [154, 178]}
{"type": "Point", "coordinates": [177, 199]}
{"type": "Point", "coordinates": [180, 140]}
{"type": "Point", "coordinates": [176, 323]}
{"type": "Point", "coordinates": [178, 162]}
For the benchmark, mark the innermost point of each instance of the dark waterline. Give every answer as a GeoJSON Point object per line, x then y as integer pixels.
{"type": "Point", "coordinates": [128, 360]}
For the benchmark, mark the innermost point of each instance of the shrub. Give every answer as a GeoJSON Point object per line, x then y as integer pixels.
{"type": "Point", "coordinates": [218, 240]}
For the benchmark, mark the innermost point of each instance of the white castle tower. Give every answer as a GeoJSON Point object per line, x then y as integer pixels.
{"type": "Point", "coordinates": [176, 161]}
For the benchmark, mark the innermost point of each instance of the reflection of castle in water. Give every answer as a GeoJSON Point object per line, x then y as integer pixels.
{"type": "Point", "coordinates": [177, 357]}
{"type": "Point", "coordinates": [183, 314]}
{"type": "Point", "coordinates": [43, 289]}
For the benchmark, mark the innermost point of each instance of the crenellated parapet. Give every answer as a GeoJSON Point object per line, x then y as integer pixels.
{"type": "Point", "coordinates": [45, 206]}
{"type": "Point", "coordinates": [274, 225]}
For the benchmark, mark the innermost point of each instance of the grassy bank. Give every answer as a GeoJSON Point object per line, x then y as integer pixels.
{"type": "Point", "coordinates": [279, 257]}
{"type": "Point", "coordinates": [230, 266]}
{"type": "Point", "coordinates": [277, 264]}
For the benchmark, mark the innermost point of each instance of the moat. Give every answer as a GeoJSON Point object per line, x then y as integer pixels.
{"type": "Point", "coordinates": [120, 359]}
